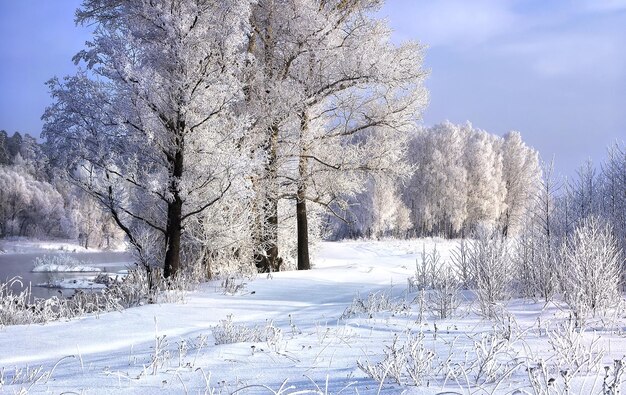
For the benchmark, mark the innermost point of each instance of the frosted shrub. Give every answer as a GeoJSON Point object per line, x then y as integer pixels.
{"type": "Point", "coordinates": [228, 332]}
{"type": "Point", "coordinates": [374, 303]}
{"type": "Point", "coordinates": [444, 298]}
{"type": "Point", "coordinates": [425, 270]}
{"type": "Point", "coordinates": [489, 268]}
{"type": "Point", "coordinates": [460, 262]}
{"type": "Point", "coordinates": [591, 269]}
{"type": "Point", "coordinates": [406, 364]}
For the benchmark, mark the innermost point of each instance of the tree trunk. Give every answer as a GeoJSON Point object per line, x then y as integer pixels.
{"type": "Point", "coordinates": [173, 230]}
{"type": "Point", "coordinates": [174, 212]}
{"type": "Point", "coordinates": [303, 231]}
{"type": "Point", "coordinates": [304, 262]}
{"type": "Point", "coordinates": [266, 258]}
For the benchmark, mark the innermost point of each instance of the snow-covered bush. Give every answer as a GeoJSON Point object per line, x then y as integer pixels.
{"type": "Point", "coordinates": [375, 302]}
{"type": "Point", "coordinates": [460, 262]}
{"type": "Point", "coordinates": [228, 332]}
{"type": "Point", "coordinates": [591, 268]}
{"type": "Point", "coordinates": [444, 297]}
{"type": "Point", "coordinates": [489, 269]}
{"type": "Point", "coordinates": [409, 363]}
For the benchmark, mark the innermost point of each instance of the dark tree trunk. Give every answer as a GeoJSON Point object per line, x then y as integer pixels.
{"type": "Point", "coordinates": [174, 213]}
{"type": "Point", "coordinates": [266, 258]}
{"type": "Point", "coordinates": [303, 232]}
{"type": "Point", "coordinates": [172, 254]}
{"type": "Point", "coordinates": [304, 262]}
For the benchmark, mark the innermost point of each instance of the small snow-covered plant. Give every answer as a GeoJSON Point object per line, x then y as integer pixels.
{"type": "Point", "coordinates": [228, 332]}
{"type": "Point", "coordinates": [425, 270]}
{"type": "Point", "coordinates": [460, 262]}
{"type": "Point", "coordinates": [231, 285]}
{"type": "Point", "coordinates": [409, 363]}
{"type": "Point", "coordinates": [161, 355]}
{"type": "Point", "coordinates": [444, 298]}
{"type": "Point", "coordinates": [273, 337]}
{"type": "Point", "coordinates": [591, 269]}
{"type": "Point", "coordinates": [489, 268]}
{"type": "Point", "coordinates": [614, 377]}
{"type": "Point", "coordinates": [495, 358]}
{"type": "Point", "coordinates": [571, 352]}
{"type": "Point", "coordinates": [374, 303]}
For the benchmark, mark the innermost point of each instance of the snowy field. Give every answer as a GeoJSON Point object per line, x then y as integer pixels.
{"type": "Point", "coordinates": [304, 333]}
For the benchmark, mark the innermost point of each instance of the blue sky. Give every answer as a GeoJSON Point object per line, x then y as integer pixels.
{"type": "Point", "coordinates": [554, 70]}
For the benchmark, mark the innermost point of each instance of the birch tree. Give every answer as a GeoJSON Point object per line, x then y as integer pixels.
{"type": "Point", "coordinates": [522, 177]}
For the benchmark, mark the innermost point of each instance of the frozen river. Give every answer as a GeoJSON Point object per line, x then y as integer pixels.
{"type": "Point", "coordinates": [20, 265]}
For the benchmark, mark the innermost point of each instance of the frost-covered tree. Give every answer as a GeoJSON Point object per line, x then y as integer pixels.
{"type": "Point", "coordinates": [584, 192]}
{"type": "Point", "coordinates": [489, 268]}
{"type": "Point", "coordinates": [13, 144]}
{"type": "Point", "coordinates": [337, 98]}
{"type": "Point", "coordinates": [378, 211]}
{"type": "Point", "coordinates": [522, 177]}
{"type": "Point", "coordinates": [543, 238]}
{"type": "Point", "coordinates": [486, 187]}
{"type": "Point", "coordinates": [149, 130]}
{"type": "Point", "coordinates": [614, 192]}
{"type": "Point", "coordinates": [5, 158]}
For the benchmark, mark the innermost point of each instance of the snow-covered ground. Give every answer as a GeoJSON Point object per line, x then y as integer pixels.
{"type": "Point", "coordinates": [311, 343]}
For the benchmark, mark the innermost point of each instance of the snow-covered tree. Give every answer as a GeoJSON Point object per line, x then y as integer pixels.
{"type": "Point", "coordinates": [614, 192]}
{"type": "Point", "coordinates": [149, 130]}
{"type": "Point", "coordinates": [486, 187]}
{"type": "Point", "coordinates": [335, 98]}
{"type": "Point", "coordinates": [5, 158]}
{"type": "Point", "coordinates": [522, 175]}
{"type": "Point", "coordinates": [538, 256]}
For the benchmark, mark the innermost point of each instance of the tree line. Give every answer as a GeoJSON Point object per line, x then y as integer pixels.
{"type": "Point", "coordinates": [36, 202]}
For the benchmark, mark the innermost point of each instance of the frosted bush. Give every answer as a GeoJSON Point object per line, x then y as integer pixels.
{"type": "Point", "coordinates": [374, 303]}
{"type": "Point", "coordinates": [591, 269]}
{"type": "Point", "coordinates": [228, 332]}
{"type": "Point", "coordinates": [409, 363]}
{"type": "Point", "coordinates": [489, 268]}
{"type": "Point", "coordinates": [444, 298]}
